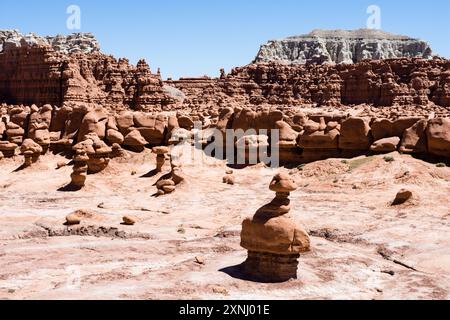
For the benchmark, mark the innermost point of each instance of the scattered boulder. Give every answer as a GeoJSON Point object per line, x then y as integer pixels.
{"type": "Point", "coordinates": [414, 139]}
{"type": "Point", "coordinates": [438, 133]}
{"type": "Point", "coordinates": [129, 220]}
{"type": "Point", "coordinates": [402, 197]}
{"type": "Point", "coordinates": [355, 134]}
{"type": "Point", "coordinates": [78, 216]}
{"type": "Point", "coordinates": [385, 145]}
{"type": "Point", "coordinates": [135, 141]}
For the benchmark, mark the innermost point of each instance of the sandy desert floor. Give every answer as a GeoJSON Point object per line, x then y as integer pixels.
{"type": "Point", "coordinates": [363, 248]}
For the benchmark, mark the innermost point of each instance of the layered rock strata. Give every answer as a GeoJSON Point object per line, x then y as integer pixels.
{"type": "Point", "coordinates": [342, 46]}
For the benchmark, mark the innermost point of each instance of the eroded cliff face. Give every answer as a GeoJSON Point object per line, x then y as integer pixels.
{"type": "Point", "coordinates": [70, 69]}
{"type": "Point", "coordinates": [59, 99]}
{"type": "Point", "coordinates": [339, 46]}
{"type": "Point", "coordinates": [417, 83]}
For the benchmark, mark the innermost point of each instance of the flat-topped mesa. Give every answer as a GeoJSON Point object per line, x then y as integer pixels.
{"type": "Point", "coordinates": [342, 46]}
{"type": "Point", "coordinates": [273, 240]}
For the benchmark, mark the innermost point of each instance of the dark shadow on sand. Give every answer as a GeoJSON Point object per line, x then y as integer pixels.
{"type": "Point", "coordinates": [150, 174]}
{"type": "Point", "coordinates": [69, 188]}
{"type": "Point", "coordinates": [237, 272]}
{"type": "Point", "coordinates": [22, 166]}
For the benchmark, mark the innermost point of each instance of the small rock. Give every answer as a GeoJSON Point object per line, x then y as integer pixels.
{"type": "Point", "coordinates": [402, 196]}
{"type": "Point", "coordinates": [200, 260]}
{"type": "Point", "coordinates": [220, 290]}
{"type": "Point", "coordinates": [73, 219]}
{"type": "Point", "coordinates": [129, 220]}
{"type": "Point", "coordinates": [229, 171]}
{"type": "Point", "coordinates": [229, 179]}
{"type": "Point", "coordinates": [61, 164]}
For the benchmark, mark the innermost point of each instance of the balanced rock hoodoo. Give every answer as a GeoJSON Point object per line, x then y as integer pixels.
{"type": "Point", "coordinates": [31, 152]}
{"type": "Point", "coordinates": [80, 169]}
{"type": "Point", "coordinates": [273, 240]}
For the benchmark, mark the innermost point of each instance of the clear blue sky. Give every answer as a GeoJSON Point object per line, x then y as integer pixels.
{"type": "Point", "coordinates": [197, 37]}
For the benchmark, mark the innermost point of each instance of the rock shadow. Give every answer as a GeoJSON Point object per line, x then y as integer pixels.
{"type": "Point", "coordinates": [237, 272]}
{"type": "Point", "coordinates": [70, 188]}
{"type": "Point", "coordinates": [22, 167]}
{"type": "Point", "coordinates": [150, 174]}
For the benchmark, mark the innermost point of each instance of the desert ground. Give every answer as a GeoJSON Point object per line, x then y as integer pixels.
{"type": "Point", "coordinates": [187, 244]}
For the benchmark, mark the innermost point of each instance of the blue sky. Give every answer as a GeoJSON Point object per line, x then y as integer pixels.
{"type": "Point", "coordinates": [198, 37]}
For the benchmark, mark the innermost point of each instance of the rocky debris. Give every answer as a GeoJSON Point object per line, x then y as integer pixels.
{"type": "Point", "coordinates": [342, 46]}
{"type": "Point", "coordinates": [31, 152]}
{"type": "Point", "coordinates": [129, 220]}
{"type": "Point", "coordinates": [160, 157]}
{"type": "Point", "coordinates": [80, 169]}
{"type": "Point", "coordinates": [273, 240]}
{"type": "Point", "coordinates": [402, 197]}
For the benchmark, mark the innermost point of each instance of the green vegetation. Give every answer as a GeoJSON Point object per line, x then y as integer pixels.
{"type": "Point", "coordinates": [389, 159]}
{"type": "Point", "coordinates": [441, 165]}
{"type": "Point", "coordinates": [355, 164]}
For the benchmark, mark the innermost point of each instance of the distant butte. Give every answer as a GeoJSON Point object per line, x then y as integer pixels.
{"type": "Point", "coordinates": [342, 46]}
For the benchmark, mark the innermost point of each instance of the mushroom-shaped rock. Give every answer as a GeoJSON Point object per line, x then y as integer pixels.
{"type": "Point", "coordinates": [8, 148]}
{"type": "Point", "coordinates": [31, 151]}
{"type": "Point", "coordinates": [273, 240]}
{"type": "Point", "coordinates": [160, 157]}
{"type": "Point", "coordinates": [80, 169]}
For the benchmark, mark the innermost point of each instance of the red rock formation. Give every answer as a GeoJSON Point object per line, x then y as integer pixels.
{"type": "Point", "coordinates": [35, 73]}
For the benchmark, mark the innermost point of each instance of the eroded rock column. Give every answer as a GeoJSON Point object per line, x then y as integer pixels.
{"type": "Point", "coordinates": [273, 239]}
